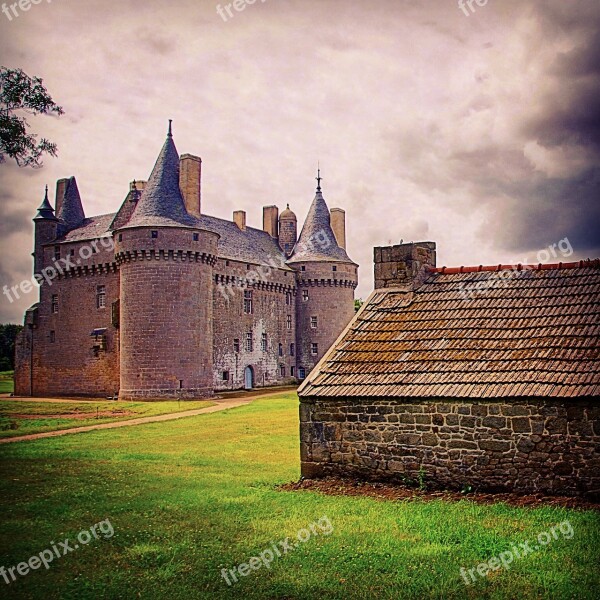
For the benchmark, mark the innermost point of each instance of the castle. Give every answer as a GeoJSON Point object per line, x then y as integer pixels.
{"type": "Point", "coordinates": [159, 300]}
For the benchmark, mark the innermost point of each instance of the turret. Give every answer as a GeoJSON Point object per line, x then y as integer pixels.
{"type": "Point", "coordinates": [166, 261]}
{"type": "Point", "coordinates": [326, 278]}
{"type": "Point", "coordinates": [46, 226]}
{"type": "Point", "coordinates": [288, 231]}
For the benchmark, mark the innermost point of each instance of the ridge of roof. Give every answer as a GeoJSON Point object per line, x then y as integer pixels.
{"type": "Point", "coordinates": [592, 263]}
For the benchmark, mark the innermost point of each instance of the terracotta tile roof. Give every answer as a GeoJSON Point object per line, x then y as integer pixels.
{"type": "Point", "coordinates": [479, 333]}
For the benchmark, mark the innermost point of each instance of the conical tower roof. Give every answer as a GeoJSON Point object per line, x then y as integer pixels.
{"type": "Point", "coordinates": [317, 241]}
{"type": "Point", "coordinates": [161, 203]}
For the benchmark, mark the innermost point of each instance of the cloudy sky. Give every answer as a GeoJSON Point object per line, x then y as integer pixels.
{"type": "Point", "coordinates": [478, 132]}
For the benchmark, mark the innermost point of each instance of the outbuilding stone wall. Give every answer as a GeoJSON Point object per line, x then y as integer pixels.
{"type": "Point", "coordinates": [512, 445]}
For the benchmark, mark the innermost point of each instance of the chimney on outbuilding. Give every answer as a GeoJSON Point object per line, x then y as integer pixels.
{"type": "Point", "coordinates": [401, 265]}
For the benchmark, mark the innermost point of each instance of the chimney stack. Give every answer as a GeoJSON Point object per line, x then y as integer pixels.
{"type": "Point", "coordinates": [190, 182]}
{"type": "Point", "coordinates": [401, 265]}
{"type": "Point", "coordinates": [61, 187]}
{"type": "Point", "coordinates": [338, 224]}
{"type": "Point", "coordinates": [271, 220]}
{"type": "Point", "coordinates": [239, 218]}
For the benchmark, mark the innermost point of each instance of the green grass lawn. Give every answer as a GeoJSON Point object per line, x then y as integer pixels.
{"type": "Point", "coordinates": [7, 385]}
{"type": "Point", "coordinates": [188, 498]}
{"type": "Point", "coordinates": [21, 418]}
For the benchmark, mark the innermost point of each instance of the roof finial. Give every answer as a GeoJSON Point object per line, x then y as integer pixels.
{"type": "Point", "coordinates": [318, 177]}
{"type": "Point", "coordinates": [170, 134]}
{"type": "Point", "coordinates": [46, 198]}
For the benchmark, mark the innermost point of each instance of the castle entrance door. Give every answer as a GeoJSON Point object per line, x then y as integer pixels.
{"type": "Point", "coordinates": [248, 378]}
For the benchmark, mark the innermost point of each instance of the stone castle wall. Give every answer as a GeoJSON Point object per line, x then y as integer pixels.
{"type": "Point", "coordinates": [65, 362]}
{"type": "Point", "coordinates": [270, 288]}
{"type": "Point", "coordinates": [526, 446]}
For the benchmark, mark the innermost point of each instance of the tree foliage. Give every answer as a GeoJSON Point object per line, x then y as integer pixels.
{"type": "Point", "coordinates": [8, 335]}
{"type": "Point", "coordinates": [20, 93]}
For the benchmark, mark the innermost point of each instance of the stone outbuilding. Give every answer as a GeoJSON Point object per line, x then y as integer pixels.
{"type": "Point", "coordinates": [468, 378]}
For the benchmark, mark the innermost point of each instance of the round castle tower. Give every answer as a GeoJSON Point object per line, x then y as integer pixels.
{"type": "Point", "coordinates": [166, 298]}
{"type": "Point", "coordinates": [326, 278]}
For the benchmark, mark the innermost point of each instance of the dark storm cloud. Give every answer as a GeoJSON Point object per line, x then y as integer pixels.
{"type": "Point", "coordinates": [545, 211]}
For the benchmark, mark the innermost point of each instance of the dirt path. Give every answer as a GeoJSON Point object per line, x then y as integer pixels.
{"type": "Point", "coordinates": [220, 405]}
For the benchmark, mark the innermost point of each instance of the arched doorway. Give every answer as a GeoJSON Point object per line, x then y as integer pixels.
{"type": "Point", "coordinates": [248, 378]}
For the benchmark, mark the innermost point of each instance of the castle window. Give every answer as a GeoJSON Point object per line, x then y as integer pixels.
{"type": "Point", "coordinates": [247, 267]}
{"type": "Point", "coordinates": [314, 322]}
{"type": "Point", "coordinates": [120, 237]}
{"type": "Point", "coordinates": [282, 370]}
{"type": "Point", "coordinates": [289, 322]}
{"type": "Point", "coordinates": [301, 373]}
{"type": "Point", "coordinates": [196, 238]}
{"type": "Point", "coordinates": [288, 297]}
{"type": "Point", "coordinates": [280, 349]}
{"type": "Point", "coordinates": [101, 296]}
{"type": "Point", "coordinates": [305, 295]}
{"type": "Point", "coordinates": [54, 304]}
{"type": "Point", "coordinates": [226, 263]}
{"type": "Point", "coordinates": [249, 342]}
{"type": "Point", "coordinates": [56, 252]}
{"type": "Point", "coordinates": [334, 268]}
{"type": "Point", "coordinates": [155, 234]}
{"type": "Point", "coordinates": [248, 302]}
{"type": "Point", "coordinates": [292, 371]}
{"type": "Point", "coordinates": [52, 337]}
{"type": "Point", "coordinates": [225, 375]}
{"type": "Point", "coordinates": [292, 349]}
{"type": "Point", "coordinates": [72, 252]}
{"type": "Point", "coordinates": [314, 349]}
{"type": "Point", "coordinates": [236, 345]}
{"type": "Point", "coordinates": [303, 268]}
{"type": "Point", "coordinates": [263, 342]}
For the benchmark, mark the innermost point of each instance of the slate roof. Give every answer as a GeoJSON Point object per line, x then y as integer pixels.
{"type": "Point", "coordinates": [252, 245]}
{"type": "Point", "coordinates": [161, 203]}
{"type": "Point", "coordinates": [91, 229]}
{"type": "Point", "coordinates": [318, 227]}
{"type": "Point", "coordinates": [478, 333]}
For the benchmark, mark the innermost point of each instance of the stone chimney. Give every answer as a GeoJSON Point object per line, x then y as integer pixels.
{"type": "Point", "coordinates": [271, 221]}
{"type": "Point", "coordinates": [338, 224]}
{"type": "Point", "coordinates": [61, 187]}
{"type": "Point", "coordinates": [239, 218]}
{"type": "Point", "coordinates": [190, 182]}
{"type": "Point", "coordinates": [402, 265]}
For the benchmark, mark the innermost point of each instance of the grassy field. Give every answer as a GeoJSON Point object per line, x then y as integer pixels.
{"type": "Point", "coordinates": [7, 385]}
{"type": "Point", "coordinates": [188, 498]}
{"type": "Point", "coordinates": [21, 418]}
